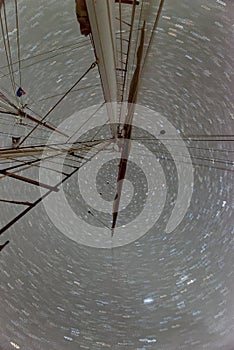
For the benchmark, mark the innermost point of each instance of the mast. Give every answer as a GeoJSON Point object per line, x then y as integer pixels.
{"type": "Point", "coordinates": [132, 97]}
{"type": "Point", "coordinates": [116, 28]}
{"type": "Point", "coordinates": [101, 18]}
{"type": "Point", "coordinates": [114, 47]}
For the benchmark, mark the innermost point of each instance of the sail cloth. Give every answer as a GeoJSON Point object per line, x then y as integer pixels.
{"type": "Point", "coordinates": [82, 17]}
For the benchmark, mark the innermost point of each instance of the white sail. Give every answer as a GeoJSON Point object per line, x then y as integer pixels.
{"type": "Point", "coordinates": [101, 17]}
{"type": "Point", "coordinates": [102, 23]}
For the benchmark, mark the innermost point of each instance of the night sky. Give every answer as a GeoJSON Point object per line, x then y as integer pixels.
{"type": "Point", "coordinates": [163, 290]}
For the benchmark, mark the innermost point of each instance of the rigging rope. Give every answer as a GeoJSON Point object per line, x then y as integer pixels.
{"type": "Point", "coordinates": [153, 30]}
{"type": "Point", "coordinates": [9, 46]}
{"type": "Point", "coordinates": [150, 40]}
{"type": "Point", "coordinates": [81, 126]}
{"type": "Point", "coordinates": [9, 62]}
{"type": "Point", "coordinates": [129, 47]}
{"type": "Point", "coordinates": [18, 41]}
{"type": "Point", "coordinates": [75, 90]}
{"type": "Point", "coordinates": [93, 65]}
{"type": "Point", "coordinates": [69, 46]}
{"type": "Point", "coordinates": [39, 61]}
{"type": "Point", "coordinates": [121, 34]}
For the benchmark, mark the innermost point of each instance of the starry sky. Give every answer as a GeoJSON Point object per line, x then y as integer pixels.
{"type": "Point", "coordinates": [164, 290]}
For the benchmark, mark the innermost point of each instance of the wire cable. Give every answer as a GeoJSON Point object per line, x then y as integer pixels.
{"type": "Point", "coordinates": [93, 65]}
{"type": "Point", "coordinates": [6, 52]}
{"type": "Point", "coordinates": [69, 46]}
{"type": "Point", "coordinates": [39, 61]}
{"type": "Point", "coordinates": [9, 46]}
{"type": "Point", "coordinates": [18, 41]}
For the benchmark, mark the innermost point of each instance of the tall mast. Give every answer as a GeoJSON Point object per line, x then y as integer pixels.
{"type": "Point", "coordinates": [101, 19]}
{"type": "Point", "coordinates": [132, 97]}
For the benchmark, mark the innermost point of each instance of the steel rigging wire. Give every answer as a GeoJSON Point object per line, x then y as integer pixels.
{"type": "Point", "coordinates": [70, 47]}
{"type": "Point", "coordinates": [208, 140]}
{"type": "Point", "coordinates": [42, 60]}
{"type": "Point", "coordinates": [93, 65]}
{"type": "Point", "coordinates": [7, 49]}
{"type": "Point", "coordinates": [18, 41]}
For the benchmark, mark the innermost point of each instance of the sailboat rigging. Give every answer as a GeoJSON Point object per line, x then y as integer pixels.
{"type": "Point", "coordinates": [110, 57]}
{"type": "Point", "coordinates": [120, 34]}
{"type": "Point", "coordinates": [19, 112]}
{"type": "Point", "coordinates": [120, 48]}
{"type": "Point", "coordinates": [127, 131]}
